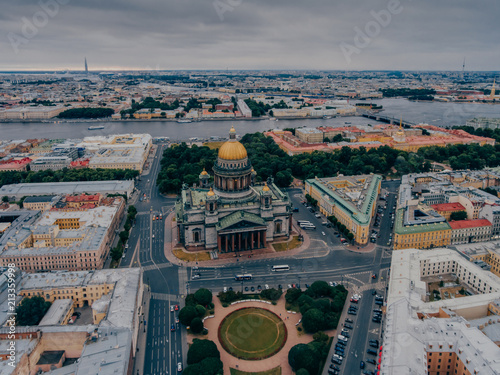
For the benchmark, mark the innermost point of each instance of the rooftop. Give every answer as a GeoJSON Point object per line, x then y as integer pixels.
{"type": "Point", "coordinates": [448, 207]}
{"type": "Point", "coordinates": [62, 188]}
{"type": "Point", "coordinates": [355, 195]}
{"type": "Point", "coordinates": [462, 224]}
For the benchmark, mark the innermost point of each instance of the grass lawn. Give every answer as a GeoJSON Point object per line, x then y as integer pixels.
{"type": "Point", "coordinates": [274, 371]}
{"type": "Point", "coordinates": [252, 333]}
{"type": "Point", "coordinates": [191, 257]}
{"type": "Point", "coordinates": [213, 145]}
{"type": "Point", "coordinates": [282, 246]}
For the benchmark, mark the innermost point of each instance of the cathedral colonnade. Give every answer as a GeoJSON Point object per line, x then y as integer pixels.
{"type": "Point", "coordinates": [229, 242]}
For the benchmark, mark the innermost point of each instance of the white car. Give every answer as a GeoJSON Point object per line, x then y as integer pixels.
{"type": "Point", "coordinates": [225, 289]}
{"type": "Point", "coordinates": [266, 286]}
{"type": "Point", "coordinates": [179, 367]}
{"type": "Point", "coordinates": [323, 233]}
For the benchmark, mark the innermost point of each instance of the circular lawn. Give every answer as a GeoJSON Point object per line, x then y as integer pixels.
{"type": "Point", "coordinates": [252, 333]}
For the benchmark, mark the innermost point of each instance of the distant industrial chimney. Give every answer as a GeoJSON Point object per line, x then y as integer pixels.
{"type": "Point", "coordinates": [86, 67]}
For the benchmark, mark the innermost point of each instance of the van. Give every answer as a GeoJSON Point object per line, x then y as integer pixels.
{"type": "Point", "coordinates": [371, 351]}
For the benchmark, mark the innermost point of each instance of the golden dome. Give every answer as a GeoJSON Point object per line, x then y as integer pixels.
{"type": "Point", "coordinates": [232, 130]}
{"type": "Point", "coordinates": [265, 188]}
{"type": "Point", "coordinates": [211, 193]}
{"type": "Point", "coordinates": [204, 172]}
{"type": "Point", "coordinates": [232, 150]}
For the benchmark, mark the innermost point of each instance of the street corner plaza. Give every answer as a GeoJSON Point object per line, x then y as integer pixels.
{"type": "Point", "coordinates": [252, 333]}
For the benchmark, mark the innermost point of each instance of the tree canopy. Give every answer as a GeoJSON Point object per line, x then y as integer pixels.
{"type": "Point", "coordinates": [203, 296]}
{"type": "Point", "coordinates": [86, 113]}
{"type": "Point", "coordinates": [31, 311]}
{"type": "Point", "coordinates": [66, 175]}
{"type": "Point", "coordinates": [459, 215]}
{"type": "Point", "coordinates": [302, 356]}
{"type": "Point", "coordinates": [187, 314]}
{"type": "Point", "coordinates": [200, 350]}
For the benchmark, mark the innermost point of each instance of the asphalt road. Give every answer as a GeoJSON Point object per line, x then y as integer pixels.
{"type": "Point", "coordinates": [164, 347]}
{"type": "Point", "coordinates": [326, 259]}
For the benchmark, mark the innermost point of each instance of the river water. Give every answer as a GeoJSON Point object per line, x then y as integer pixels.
{"type": "Point", "coordinates": [434, 113]}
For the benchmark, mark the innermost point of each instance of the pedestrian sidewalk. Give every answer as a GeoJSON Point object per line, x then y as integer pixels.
{"type": "Point", "coordinates": [142, 335]}
{"type": "Point", "coordinates": [362, 249]}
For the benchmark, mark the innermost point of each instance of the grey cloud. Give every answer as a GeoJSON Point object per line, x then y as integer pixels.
{"type": "Point", "coordinates": [188, 34]}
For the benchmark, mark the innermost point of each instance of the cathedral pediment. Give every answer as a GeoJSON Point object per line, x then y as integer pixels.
{"type": "Point", "coordinates": [240, 219]}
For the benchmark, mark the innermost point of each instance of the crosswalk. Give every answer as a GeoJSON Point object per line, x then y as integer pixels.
{"type": "Point", "coordinates": [155, 267]}
{"type": "Point", "coordinates": [162, 296]}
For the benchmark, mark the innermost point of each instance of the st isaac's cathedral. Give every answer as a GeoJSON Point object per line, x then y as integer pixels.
{"type": "Point", "coordinates": [234, 213]}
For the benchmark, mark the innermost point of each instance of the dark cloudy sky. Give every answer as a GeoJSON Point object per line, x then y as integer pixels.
{"type": "Point", "coordinates": [250, 34]}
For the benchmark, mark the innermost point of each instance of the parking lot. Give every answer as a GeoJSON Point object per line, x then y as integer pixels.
{"type": "Point", "coordinates": [355, 349]}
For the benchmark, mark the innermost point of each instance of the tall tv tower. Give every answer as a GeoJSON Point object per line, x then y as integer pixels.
{"type": "Point", "coordinates": [463, 69]}
{"type": "Point", "coordinates": [86, 67]}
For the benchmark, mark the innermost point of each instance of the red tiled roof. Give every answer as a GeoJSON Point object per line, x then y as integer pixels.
{"type": "Point", "coordinates": [448, 207]}
{"type": "Point", "coordinates": [461, 224]}
{"type": "Point", "coordinates": [82, 198]}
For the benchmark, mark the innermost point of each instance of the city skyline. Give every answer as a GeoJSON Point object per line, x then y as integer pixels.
{"type": "Point", "coordinates": [240, 35]}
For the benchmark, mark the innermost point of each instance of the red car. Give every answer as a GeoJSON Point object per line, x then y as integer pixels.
{"type": "Point", "coordinates": [176, 307]}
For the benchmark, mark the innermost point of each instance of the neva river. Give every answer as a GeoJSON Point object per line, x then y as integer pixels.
{"type": "Point", "coordinates": [434, 113]}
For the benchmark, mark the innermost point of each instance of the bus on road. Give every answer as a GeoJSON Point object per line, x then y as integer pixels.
{"type": "Point", "coordinates": [300, 222]}
{"type": "Point", "coordinates": [246, 276]}
{"type": "Point", "coordinates": [281, 268]}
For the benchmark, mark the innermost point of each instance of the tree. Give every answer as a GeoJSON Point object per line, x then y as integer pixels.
{"type": "Point", "coordinates": [203, 296]}
{"type": "Point", "coordinates": [337, 138]}
{"type": "Point", "coordinates": [201, 349]}
{"type": "Point", "coordinates": [116, 253]}
{"type": "Point", "coordinates": [313, 320]}
{"type": "Point", "coordinates": [271, 294]}
{"type": "Point", "coordinates": [86, 113]}
{"type": "Point", "coordinates": [305, 303]}
{"type": "Point", "coordinates": [459, 215]}
{"type": "Point", "coordinates": [123, 236]}
{"type": "Point", "coordinates": [31, 311]}
{"type": "Point", "coordinates": [187, 314]}
{"type": "Point", "coordinates": [208, 366]}
{"type": "Point", "coordinates": [283, 178]}
{"type": "Point", "coordinates": [200, 310]}
{"type": "Point", "coordinates": [196, 325]}
{"type": "Point", "coordinates": [350, 236]}
{"type": "Point", "coordinates": [5, 198]}
{"type": "Point", "coordinates": [190, 301]}
{"type": "Point", "coordinates": [320, 336]}
{"type": "Point", "coordinates": [302, 356]}
{"type": "Point", "coordinates": [302, 371]}
{"type": "Point", "coordinates": [319, 289]}
{"type": "Point", "coordinates": [293, 295]}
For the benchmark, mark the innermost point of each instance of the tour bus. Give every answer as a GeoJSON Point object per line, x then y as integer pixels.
{"type": "Point", "coordinates": [305, 224]}
{"type": "Point", "coordinates": [281, 268]}
{"type": "Point", "coordinates": [308, 226]}
{"type": "Point", "coordinates": [246, 276]}
{"type": "Point", "coordinates": [300, 222]}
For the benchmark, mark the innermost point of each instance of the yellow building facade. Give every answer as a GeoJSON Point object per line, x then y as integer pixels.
{"type": "Point", "coordinates": [336, 197]}
{"type": "Point", "coordinates": [424, 236]}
